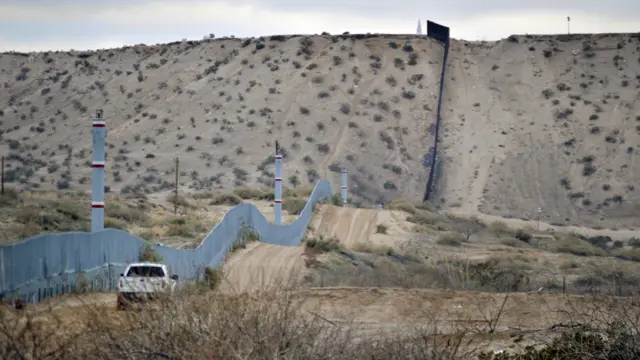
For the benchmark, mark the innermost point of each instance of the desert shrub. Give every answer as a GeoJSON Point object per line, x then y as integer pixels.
{"type": "Point", "coordinates": [612, 343]}
{"type": "Point", "coordinates": [149, 254]}
{"type": "Point", "coordinates": [57, 215]}
{"type": "Point", "coordinates": [588, 169]}
{"type": "Point", "coordinates": [627, 254]}
{"type": "Point", "coordinates": [293, 205]}
{"type": "Point", "coordinates": [373, 249]}
{"type": "Point", "coordinates": [322, 244]}
{"type": "Point", "coordinates": [336, 200]}
{"type": "Point", "coordinates": [212, 277]}
{"type": "Point", "coordinates": [111, 223]}
{"type": "Point", "coordinates": [523, 235]}
{"type": "Point", "coordinates": [451, 238]}
{"type": "Point", "coordinates": [181, 227]}
{"type": "Point", "coordinates": [128, 214]}
{"type": "Point", "coordinates": [10, 197]}
{"type": "Point", "coordinates": [574, 245]}
{"type": "Point", "coordinates": [178, 200]}
{"type": "Point", "coordinates": [226, 199]}
{"type": "Point", "coordinates": [402, 205]}
{"type": "Point", "coordinates": [323, 148]}
{"type": "Point", "coordinates": [247, 234]}
{"type": "Point", "coordinates": [599, 241]}
{"type": "Point", "coordinates": [381, 229]}
{"type": "Point", "coordinates": [634, 242]}
{"type": "Point", "coordinates": [430, 220]}
{"type": "Point", "coordinates": [247, 193]}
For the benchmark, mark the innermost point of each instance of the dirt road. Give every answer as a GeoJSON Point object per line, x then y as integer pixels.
{"type": "Point", "coordinates": [261, 266]}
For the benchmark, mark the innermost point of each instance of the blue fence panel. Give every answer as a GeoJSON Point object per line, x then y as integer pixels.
{"type": "Point", "coordinates": [46, 264]}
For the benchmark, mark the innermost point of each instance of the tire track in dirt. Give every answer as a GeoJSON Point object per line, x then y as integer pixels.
{"type": "Point", "coordinates": [349, 225]}
{"type": "Point", "coordinates": [260, 266]}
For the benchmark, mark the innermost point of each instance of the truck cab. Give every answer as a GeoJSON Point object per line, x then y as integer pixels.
{"type": "Point", "coordinates": [144, 281]}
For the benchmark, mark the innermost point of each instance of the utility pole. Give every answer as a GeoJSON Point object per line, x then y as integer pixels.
{"type": "Point", "coordinates": [175, 200]}
{"type": "Point", "coordinates": [568, 25]}
{"type": "Point", "coordinates": [2, 177]}
{"type": "Point", "coordinates": [539, 211]}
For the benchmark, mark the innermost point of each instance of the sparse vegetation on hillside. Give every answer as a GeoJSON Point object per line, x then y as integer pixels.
{"type": "Point", "coordinates": [164, 112]}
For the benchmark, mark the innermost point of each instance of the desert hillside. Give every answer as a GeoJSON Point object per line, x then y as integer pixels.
{"type": "Point", "coordinates": [546, 121]}
{"type": "Point", "coordinates": [219, 105]}
{"type": "Point", "coordinates": [528, 122]}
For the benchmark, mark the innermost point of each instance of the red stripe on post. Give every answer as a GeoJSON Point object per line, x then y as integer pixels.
{"type": "Point", "coordinates": [98, 125]}
{"type": "Point", "coordinates": [278, 201]}
{"type": "Point", "coordinates": [97, 165]}
{"type": "Point", "coordinates": [97, 206]}
{"type": "Point", "coordinates": [278, 179]}
{"type": "Point", "coordinates": [278, 156]}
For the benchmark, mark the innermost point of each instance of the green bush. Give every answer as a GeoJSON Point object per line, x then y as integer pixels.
{"type": "Point", "coordinates": [381, 229]}
{"type": "Point", "coordinates": [254, 194]}
{"type": "Point", "coordinates": [336, 200]}
{"type": "Point", "coordinates": [634, 242]}
{"type": "Point", "coordinates": [293, 205]}
{"type": "Point", "coordinates": [523, 235]}
{"type": "Point", "coordinates": [149, 254]}
{"type": "Point", "coordinates": [212, 277]}
{"type": "Point", "coordinates": [576, 246]}
{"type": "Point", "coordinates": [226, 199]}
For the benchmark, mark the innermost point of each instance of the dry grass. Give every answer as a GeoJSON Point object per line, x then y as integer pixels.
{"type": "Point", "coordinates": [26, 214]}
{"type": "Point", "coordinates": [288, 323]}
{"type": "Point", "coordinates": [199, 324]}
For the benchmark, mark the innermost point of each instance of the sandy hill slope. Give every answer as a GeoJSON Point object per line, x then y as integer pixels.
{"type": "Point", "coordinates": [528, 122]}
{"type": "Point", "coordinates": [549, 122]}
{"type": "Point", "coordinates": [218, 105]}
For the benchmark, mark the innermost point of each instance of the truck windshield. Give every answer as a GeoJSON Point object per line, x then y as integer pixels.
{"type": "Point", "coordinates": [146, 271]}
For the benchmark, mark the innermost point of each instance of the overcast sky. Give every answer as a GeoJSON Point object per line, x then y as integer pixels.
{"type": "Point", "coordinates": [38, 25]}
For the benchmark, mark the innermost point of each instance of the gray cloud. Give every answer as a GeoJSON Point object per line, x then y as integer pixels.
{"type": "Point", "coordinates": [32, 25]}
{"type": "Point", "coordinates": [450, 9]}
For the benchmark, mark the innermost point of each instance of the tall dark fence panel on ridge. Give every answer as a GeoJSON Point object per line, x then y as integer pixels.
{"type": "Point", "coordinates": [440, 33]}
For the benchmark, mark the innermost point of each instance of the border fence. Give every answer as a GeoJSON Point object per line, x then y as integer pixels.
{"type": "Point", "coordinates": [53, 264]}
{"type": "Point", "coordinates": [440, 33]}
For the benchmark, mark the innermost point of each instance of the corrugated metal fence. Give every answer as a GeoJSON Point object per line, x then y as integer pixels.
{"type": "Point", "coordinates": [440, 33]}
{"type": "Point", "coordinates": [51, 264]}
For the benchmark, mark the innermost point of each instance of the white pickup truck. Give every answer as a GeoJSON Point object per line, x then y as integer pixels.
{"type": "Point", "coordinates": [142, 281]}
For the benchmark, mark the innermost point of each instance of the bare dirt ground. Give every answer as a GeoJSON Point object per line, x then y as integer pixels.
{"type": "Point", "coordinates": [354, 227]}
{"type": "Point", "coordinates": [262, 266]}
{"type": "Point", "coordinates": [349, 225]}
